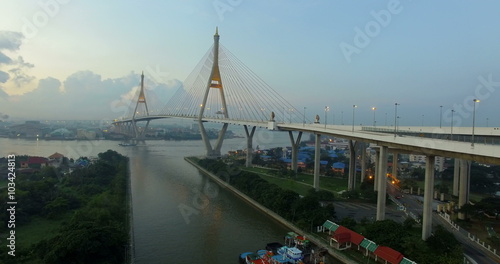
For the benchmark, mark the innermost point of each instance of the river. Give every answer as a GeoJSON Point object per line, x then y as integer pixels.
{"type": "Point", "coordinates": [179, 215]}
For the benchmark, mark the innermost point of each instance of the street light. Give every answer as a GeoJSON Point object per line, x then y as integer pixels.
{"type": "Point", "coordinates": [422, 120]}
{"type": "Point", "coordinates": [342, 117]}
{"type": "Point", "coordinates": [451, 132]}
{"type": "Point", "coordinates": [353, 108]}
{"type": "Point", "coordinates": [440, 115]}
{"type": "Point", "coordinates": [395, 117]}
{"type": "Point", "coordinates": [374, 122]}
{"type": "Point", "coordinates": [385, 119]}
{"type": "Point", "coordinates": [473, 120]}
{"type": "Point", "coordinates": [326, 110]}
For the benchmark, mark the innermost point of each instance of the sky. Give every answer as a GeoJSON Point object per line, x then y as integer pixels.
{"type": "Point", "coordinates": [75, 59]}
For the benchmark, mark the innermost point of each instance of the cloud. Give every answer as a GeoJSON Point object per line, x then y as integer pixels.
{"type": "Point", "coordinates": [19, 76]}
{"type": "Point", "coordinates": [4, 77]}
{"type": "Point", "coordinates": [86, 95]}
{"type": "Point", "coordinates": [16, 68]}
{"type": "Point", "coordinates": [10, 40]}
{"type": "Point", "coordinates": [4, 59]}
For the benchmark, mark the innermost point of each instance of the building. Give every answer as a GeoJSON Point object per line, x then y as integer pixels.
{"type": "Point", "coordinates": [85, 134]}
{"type": "Point", "coordinates": [34, 163]}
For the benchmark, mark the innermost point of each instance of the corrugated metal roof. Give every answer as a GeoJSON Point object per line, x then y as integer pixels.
{"type": "Point", "coordinates": [330, 225]}
{"type": "Point", "coordinates": [368, 244]}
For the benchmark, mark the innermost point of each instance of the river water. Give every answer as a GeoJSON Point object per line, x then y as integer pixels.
{"type": "Point", "coordinates": [179, 215]}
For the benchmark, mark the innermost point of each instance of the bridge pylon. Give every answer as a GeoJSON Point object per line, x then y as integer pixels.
{"type": "Point", "coordinates": [214, 82]}
{"type": "Point", "coordinates": [138, 133]}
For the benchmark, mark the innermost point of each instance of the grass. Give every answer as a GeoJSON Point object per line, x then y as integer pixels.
{"type": "Point", "coordinates": [288, 184]}
{"type": "Point", "coordinates": [36, 230]}
{"type": "Point", "coordinates": [302, 183]}
{"type": "Point", "coordinates": [475, 197]}
{"type": "Point", "coordinates": [3, 183]}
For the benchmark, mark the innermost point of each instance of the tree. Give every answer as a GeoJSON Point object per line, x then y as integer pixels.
{"type": "Point", "coordinates": [445, 246]}
{"type": "Point", "coordinates": [387, 233]}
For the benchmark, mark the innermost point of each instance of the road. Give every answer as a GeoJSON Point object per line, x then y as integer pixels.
{"type": "Point", "coordinates": [471, 249]}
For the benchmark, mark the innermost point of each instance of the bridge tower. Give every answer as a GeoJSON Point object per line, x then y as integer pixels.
{"type": "Point", "coordinates": [139, 134]}
{"type": "Point", "coordinates": [214, 82]}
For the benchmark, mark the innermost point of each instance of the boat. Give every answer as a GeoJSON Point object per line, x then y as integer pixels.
{"type": "Point", "coordinates": [255, 258]}
{"type": "Point", "coordinates": [291, 254]}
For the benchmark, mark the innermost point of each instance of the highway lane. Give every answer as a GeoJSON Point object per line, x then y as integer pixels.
{"type": "Point", "coordinates": [414, 205]}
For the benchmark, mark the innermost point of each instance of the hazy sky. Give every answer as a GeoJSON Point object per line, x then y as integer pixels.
{"type": "Point", "coordinates": [76, 59]}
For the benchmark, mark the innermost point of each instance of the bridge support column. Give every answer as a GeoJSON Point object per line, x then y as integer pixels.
{"type": "Point", "coordinates": [463, 195]}
{"type": "Point", "coordinates": [351, 182]}
{"type": "Point", "coordinates": [381, 182]}
{"type": "Point", "coordinates": [395, 164]}
{"type": "Point", "coordinates": [317, 153]}
{"type": "Point", "coordinates": [363, 162]}
{"type": "Point", "coordinates": [212, 152]}
{"type": "Point", "coordinates": [295, 149]}
{"type": "Point", "coordinates": [456, 176]}
{"type": "Point", "coordinates": [375, 170]}
{"type": "Point", "coordinates": [249, 145]}
{"type": "Point", "coordinates": [428, 192]}
{"type": "Point", "coordinates": [220, 139]}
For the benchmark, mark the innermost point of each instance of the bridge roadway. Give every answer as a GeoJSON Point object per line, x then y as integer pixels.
{"type": "Point", "coordinates": [483, 153]}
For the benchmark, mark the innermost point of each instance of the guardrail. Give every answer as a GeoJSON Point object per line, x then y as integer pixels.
{"type": "Point", "coordinates": [472, 237]}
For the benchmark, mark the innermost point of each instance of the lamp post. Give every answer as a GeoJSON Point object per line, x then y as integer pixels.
{"type": "Point", "coordinates": [451, 131]}
{"type": "Point", "coordinates": [342, 117]}
{"type": "Point", "coordinates": [374, 122]}
{"type": "Point", "coordinates": [395, 117]}
{"type": "Point", "coordinates": [487, 121]}
{"type": "Point", "coordinates": [422, 120]}
{"type": "Point", "coordinates": [326, 110]}
{"type": "Point", "coordinates": [440, 115]}
{"type": "Point", "coordinates": [304, 123]}
{"type": "Point", "coordinates": [353, 108]}
{"type": "Point", "coordinates": [473, 120]}
{"type": "Point", "coordinates": [385, 119]}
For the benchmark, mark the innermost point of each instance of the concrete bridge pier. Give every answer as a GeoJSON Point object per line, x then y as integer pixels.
{"type": "Point", "coordinates": [456, 177]}
{"type": "Point", "coordinates": [351, 182]}
{"type": "Point", "coordinates": [295, 149]}
{"type": "Point", "coordinates": [249, 145]}
{"type": "Point", "coordinates": [428, 191]}
{"type": "Point", "coordinates": [395, 155]}
{"type": "Point", "coordinates": [212, 152]}
{"type": "Point", "coordinates": [381, 180]}
{"type": "Point", "coordinates": [317, 154]}
{"type": "Point", "coordinates": [363, 162]}
{"type": "Point", "coordinates": [375, 169]}
{"type": "Point", "coordinates": [463, 195]}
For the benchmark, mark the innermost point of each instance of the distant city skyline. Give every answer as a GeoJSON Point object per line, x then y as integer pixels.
{"type": "Point", "coordinates": [62, 59]}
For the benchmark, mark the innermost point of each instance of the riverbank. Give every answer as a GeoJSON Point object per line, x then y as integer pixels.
{"type": "Point", "coordinates": [272, 214]}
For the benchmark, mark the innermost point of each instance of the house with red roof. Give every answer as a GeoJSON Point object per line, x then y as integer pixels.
{"type": "Point", "coordinates": [388, 254]}
{"type": "Point", "coordinates": [344, 238]}
{"type": "Point", "coordinates": [35, 163]}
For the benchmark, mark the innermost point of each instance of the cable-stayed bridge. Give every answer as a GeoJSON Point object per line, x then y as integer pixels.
{"type": "Point", "coordinates": [221, 89]}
